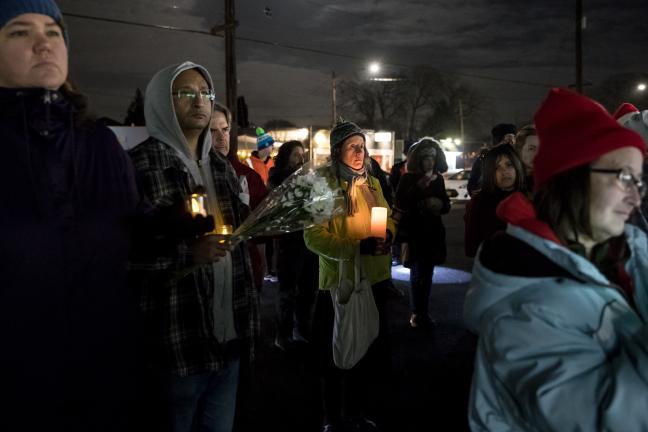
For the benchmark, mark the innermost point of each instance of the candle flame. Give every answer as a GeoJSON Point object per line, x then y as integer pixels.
{"type": "Point", "coordinates": [226, 229]}
{"type": "Point", "coordinates": [197, 203]}
{"type": "Point", "coordinates": [195, 206]}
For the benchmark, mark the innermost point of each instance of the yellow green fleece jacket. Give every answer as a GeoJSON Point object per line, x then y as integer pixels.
{"type": "Point", "coordinates": [334, 242]}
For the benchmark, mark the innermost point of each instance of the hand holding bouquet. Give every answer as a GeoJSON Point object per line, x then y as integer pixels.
{"type": "Point", "coordinates": [304, 199]}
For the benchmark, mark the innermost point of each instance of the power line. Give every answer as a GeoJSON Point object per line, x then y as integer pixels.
{"type": "Point", "coordinates": [214, 32]}
{"type": "Point", "coordinates": [336, 9]}
{"type": "Point", "coordinates": [352, 57]}
{"type": "Point", "coordinates": [139, 24]}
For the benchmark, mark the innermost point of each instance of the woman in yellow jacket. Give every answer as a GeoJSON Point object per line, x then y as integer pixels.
{"type": "Point", "coordinates": [337, 240]}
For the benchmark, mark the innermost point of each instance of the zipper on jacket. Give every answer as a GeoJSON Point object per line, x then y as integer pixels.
{"type": "Point", "coordinates": [47, 101]}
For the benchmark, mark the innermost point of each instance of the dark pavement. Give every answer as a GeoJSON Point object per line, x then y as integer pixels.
{"type": "Point", "coordinates": [431, 368]}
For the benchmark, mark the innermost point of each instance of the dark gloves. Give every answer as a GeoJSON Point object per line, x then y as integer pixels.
{"type": "Point", "coordinates": [172, 222]}
{"type": "Point", "coordinates": [200, 225]}
{"type": "Point", "coordinates": [375, 245]}
{"type": "Point", "coordinates": [176, 222]}
{"type": "Point", "coordinates": [368, 245]}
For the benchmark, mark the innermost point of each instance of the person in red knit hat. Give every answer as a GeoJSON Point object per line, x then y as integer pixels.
{"type": "Point", "coordinates": [624, 112]}
{"type": "Point", "coordinates": [559, 300]}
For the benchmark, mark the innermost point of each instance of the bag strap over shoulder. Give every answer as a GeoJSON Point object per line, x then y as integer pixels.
{"type": "Point", "coordinates": [358, 270]}
{"type": "Point", "coordinates": [340, 271]}
{"type": "Point", "coordinates": [357, 267]}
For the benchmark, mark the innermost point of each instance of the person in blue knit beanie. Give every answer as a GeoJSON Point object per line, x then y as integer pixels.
{"type": "Point", "coordinates": [10, 9]}
{"type": "Point", "coordinates": [261, 159]}
{"type": "Point", "coordinates": [68, 189]}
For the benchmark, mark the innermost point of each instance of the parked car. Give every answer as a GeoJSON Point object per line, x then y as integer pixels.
{"type": "Point", "coordinates": [457, 185]}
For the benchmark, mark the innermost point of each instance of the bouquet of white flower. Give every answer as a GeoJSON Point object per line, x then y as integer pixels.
{"type": "Point", "coordinates": [304, 199]}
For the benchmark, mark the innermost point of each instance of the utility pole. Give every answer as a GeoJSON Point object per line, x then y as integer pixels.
{"type": "Point", "coordinates": [230, 71]}
{"type": "Point", "coordinates": [579, 46]}
{"type": "Point", "coordinates": [333, 99]}
{"type": "Point", "coordinates": [461, 121]}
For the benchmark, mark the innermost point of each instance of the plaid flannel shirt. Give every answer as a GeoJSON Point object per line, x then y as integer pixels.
{"type": "Point", "coordinates": [175, 294]}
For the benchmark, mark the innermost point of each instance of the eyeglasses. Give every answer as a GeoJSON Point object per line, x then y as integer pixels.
{"type": "Point", "coordinates": [190, 95]}
{"type": "Point", "coordinates": [626, 179]}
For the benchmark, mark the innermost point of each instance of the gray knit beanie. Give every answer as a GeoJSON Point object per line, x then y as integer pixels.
{"type": "Point", "coordinates": [342, 131]}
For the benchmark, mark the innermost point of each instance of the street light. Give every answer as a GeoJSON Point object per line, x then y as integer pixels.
{"type": "Point", "coordinates": [641, 87]}
{"type": "Point", "coordinates": [374, 68]}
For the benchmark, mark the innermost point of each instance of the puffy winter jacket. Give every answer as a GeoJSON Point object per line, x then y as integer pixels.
{"type": "Point", "coordinates": [560, 348]}
{"type": "Point", "coordinates": [332, 242]}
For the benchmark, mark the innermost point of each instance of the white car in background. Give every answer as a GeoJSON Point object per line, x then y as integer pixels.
{"type": "Point", "coordinates": [456, 184]}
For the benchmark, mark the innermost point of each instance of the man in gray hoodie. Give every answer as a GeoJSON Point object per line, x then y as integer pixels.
{"type": "Point", "coordinates": [199, 307]}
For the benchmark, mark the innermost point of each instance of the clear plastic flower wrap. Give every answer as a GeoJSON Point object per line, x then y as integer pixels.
{"type": "Point", "coordinates": [304, 199]}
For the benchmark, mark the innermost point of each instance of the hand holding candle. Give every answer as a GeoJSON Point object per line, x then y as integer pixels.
{"type": "Point", "coordinates": [224, 231]}
{"type": "Point", "coordinates": [207, 249]}
{"type": "Point", "coordinates": [379, 222]}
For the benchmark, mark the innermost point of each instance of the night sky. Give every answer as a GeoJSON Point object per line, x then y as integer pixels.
{"type": "Point", "coordinates": [507, 40]}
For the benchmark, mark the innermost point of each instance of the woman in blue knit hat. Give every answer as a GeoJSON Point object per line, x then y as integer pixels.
{"type": "Point", "coordinates": [67, 189]}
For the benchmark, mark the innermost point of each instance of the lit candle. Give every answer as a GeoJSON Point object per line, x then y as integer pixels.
{"type": "Point", "coordinates": [379, 222]}
{"type": "Point", "coordinates": [225, 230]}
{"type": "Point", "coordinates": [197, 205]}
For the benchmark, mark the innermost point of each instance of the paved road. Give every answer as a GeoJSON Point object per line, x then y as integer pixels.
{"type": "Point", "coordinates": [432, 370]}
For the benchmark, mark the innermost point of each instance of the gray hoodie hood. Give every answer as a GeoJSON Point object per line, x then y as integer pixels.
{"type": "Point", "coordinates": [161, 120]}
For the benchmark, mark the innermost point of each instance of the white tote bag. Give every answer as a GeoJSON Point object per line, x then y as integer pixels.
{"type": "Point", "coordinates": [356, 317]}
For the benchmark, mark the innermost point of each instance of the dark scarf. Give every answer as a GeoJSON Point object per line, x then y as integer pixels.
{"type": "Point", "coordinates": [610, 258]}
{"type": "Point", "coordinates": [356, 180]}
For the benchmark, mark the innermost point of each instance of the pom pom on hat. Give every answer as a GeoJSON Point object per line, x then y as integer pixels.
{"type": "Point", "coordinates": [12, 8]}
{"type": "Point", "coordinates": [263, 139]}
{"type": "Point", "coordinates": [573, 131]}
{"type": "Point", "coordinates": [629, 116]}
{"type": "Point", "coordinates": [625, 112]}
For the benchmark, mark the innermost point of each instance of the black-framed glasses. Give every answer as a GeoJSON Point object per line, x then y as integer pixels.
{"type": "Point", "coordinates": [626, 179]}
{"type": "Point", "coordinates": [191, 95]}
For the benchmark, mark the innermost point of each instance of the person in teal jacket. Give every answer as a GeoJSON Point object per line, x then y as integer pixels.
{"type": "Point", "coordinates": [337, 241]}
{"type": "Point", "coordinates": [559, 299]}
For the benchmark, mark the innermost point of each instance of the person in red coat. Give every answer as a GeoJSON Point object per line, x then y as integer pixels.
{"type": "Point", "coordinates": [503, 174]}
{"type": "Point", "coordinates": [253, 188]}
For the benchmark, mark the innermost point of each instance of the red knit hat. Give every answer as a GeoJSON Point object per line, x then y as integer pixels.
{"type": "Point", "coordinates": [624, 112]}
{"type": "Point", "coordinates": [574, 130]}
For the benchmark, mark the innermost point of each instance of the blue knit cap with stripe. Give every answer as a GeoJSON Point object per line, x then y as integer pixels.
{"type": "Point", "coordinates": [10, 9]}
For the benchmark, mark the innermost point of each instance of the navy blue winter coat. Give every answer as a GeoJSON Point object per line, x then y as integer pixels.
{"type": "Point", "coordinates": [66, 193]}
